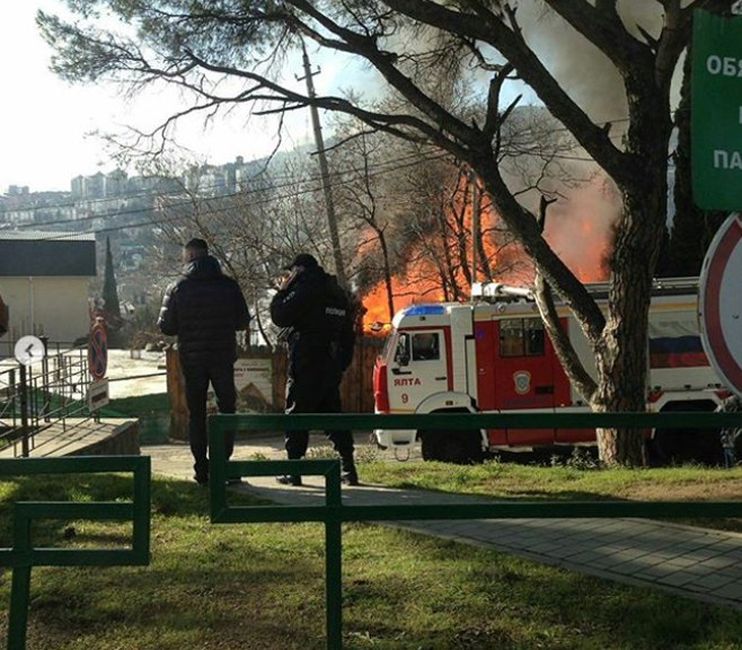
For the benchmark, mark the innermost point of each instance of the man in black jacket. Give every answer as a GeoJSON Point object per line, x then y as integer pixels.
{"type": "Point", "coordinates": [204, 309]}
{"type": "Point", "coordinates": [319, 331]}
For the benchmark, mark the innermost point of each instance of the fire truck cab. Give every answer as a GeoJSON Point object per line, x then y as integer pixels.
{"type": "Point", "coordinates": [493, 355]}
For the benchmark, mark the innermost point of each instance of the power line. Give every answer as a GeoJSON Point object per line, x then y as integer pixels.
{"type": "Point", "coordinates": [155, 192]}
{"type": "Point", "coordinates": [241, 193]}
{"type": "Point", "coordinates": [382, 168]}
{"type": "Point", "coordinates": [213, 211]}
{"type": "Point", "coordinates": [267, 200]}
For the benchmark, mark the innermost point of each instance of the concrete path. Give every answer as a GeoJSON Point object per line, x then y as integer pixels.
{"type": "Point", "coordinates": [697, 563]}
{"type": "Point", "coordinates": [121, 365]}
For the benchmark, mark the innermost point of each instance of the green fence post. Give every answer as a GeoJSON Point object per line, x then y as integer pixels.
{"type": "Point", "coordinates": [24, 412]}
{"type": "Point", "coordinates": [22, 557]}
{"type": "Point", "coordinates": [333, 559]}
{"type": "Point", "coordinates": [19, 597]}
{"type": "Point", "coordinates": [142, 508]}
{"type": "Point", "coordinates": [217, 465]}
{"type": "Point", "coordinates": [20, 592]}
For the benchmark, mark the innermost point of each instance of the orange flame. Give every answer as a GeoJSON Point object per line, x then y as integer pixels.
{"type": "Point", "coordinates": [579, 229]}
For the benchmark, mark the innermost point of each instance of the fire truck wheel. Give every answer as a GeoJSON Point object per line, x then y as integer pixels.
{"type": "Point", "coordinates": [460, 447]}
{"type": "Point", "coordinates": [678, 446]}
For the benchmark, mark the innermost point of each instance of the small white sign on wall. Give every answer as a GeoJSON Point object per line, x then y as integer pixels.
{"type": "Point", "coordinates": [253, 379]}
{"type": "Point", "coordinates": [98, 395]}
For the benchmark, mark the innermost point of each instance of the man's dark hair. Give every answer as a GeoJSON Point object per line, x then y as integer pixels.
{"type": "Point", "coordinates": [303, 259]}
{"type": "Point", "coordinates": [199, 246]}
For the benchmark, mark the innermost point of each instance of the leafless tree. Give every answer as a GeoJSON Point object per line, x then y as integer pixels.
{"type": "Point", "coordinates": [229, 52]}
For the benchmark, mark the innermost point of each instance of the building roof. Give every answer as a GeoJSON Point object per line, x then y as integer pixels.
{"type": "Point", "coordinates": [45, 235]}
{"type": "Point", "coordinates": [29, 253]}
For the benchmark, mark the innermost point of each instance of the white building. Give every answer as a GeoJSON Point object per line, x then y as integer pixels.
{"type": "Point", "coordinates": [44, 280]}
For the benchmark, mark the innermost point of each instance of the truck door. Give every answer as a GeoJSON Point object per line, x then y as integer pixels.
{"type": "Point", "coordinates": [524, 374]}
{"type": "Point", "coordinates": [419, 368]}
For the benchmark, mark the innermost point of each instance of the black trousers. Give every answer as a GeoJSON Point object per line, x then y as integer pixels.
{"type": "Point", "coordinates": [197, 378]}
{"type": "Point", "coordinates": [316, 392]}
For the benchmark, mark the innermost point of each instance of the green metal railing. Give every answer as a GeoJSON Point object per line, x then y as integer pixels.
{"type": "Point", "coordinates": [22, 556]}
{"type": "Point", "coordinates": [333, 513]}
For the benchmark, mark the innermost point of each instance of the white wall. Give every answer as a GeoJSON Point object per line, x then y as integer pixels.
{"type": "Point", "coordinates": [53, 306]}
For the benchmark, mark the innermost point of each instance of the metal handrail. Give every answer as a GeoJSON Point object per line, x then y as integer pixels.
{"type": "Point", "coordinates": [333, 513]}
{"type": "Point", "coordinates": [40, 395]}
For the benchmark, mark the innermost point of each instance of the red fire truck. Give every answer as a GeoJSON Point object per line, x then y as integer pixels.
{"type": "Point", "coordinates": [493, 355]}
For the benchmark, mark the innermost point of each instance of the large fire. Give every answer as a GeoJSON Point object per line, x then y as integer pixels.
{"type": "Point", "coordinates": [579, 229]}
{"type": "Point", "coordinates": [406, 291]}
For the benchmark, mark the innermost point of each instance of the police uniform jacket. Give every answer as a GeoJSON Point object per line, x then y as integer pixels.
{"type": "Point", "coordinates": [315, 313]}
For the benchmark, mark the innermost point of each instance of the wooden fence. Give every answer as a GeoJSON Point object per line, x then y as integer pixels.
{"type": "Point", "coordinates": [356, 390]}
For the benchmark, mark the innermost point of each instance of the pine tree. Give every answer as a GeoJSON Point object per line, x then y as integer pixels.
{"type": "Point", "coordinates": [692, 228]}
{"type": "Point", "coordinates": [110, 292]}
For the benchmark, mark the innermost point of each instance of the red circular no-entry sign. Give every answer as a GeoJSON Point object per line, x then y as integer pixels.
{"type": "Point", "coordinates": [720, 303]}
{"type": "Point", "coordinates": [98, 350]}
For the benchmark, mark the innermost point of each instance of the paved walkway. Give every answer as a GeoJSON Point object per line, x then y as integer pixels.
{"type": "Point", "coordinates": [694, 562]}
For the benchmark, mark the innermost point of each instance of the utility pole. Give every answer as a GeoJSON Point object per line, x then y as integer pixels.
{"type": "Point", "coordinates": [324, 171]}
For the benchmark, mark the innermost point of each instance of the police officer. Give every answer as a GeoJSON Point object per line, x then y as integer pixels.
{"type": "Point", "coordinates": [315, 313]}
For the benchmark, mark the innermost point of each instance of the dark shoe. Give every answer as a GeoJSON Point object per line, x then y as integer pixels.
{"type": "Point", "coordinates": [287, 479]}
{"type": "Point", "coordinates": [201, 479]}
{"type": "Point", "coordinates": [349, 478]}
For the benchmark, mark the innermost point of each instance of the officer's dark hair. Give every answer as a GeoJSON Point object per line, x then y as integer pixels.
{"type": "Point", "coordinates": [198, 246]}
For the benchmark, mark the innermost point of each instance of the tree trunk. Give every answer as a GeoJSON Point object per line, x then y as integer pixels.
{"type": "Point", "coordinates": [447, 269]}
{"type": "Point", "coordinates": [622, 354]}
{"type": "Point", "coordinates": [387, 273]}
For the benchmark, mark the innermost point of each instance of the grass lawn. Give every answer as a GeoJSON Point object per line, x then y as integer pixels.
{"type": "Point", "coordinates": [531, 482]}
{"type": "Point", "coordinates": [153, 412]}
{"type": "Point", "coordinates": [258, 586]}
{"type": "Point", "coordinates": [140, 405]}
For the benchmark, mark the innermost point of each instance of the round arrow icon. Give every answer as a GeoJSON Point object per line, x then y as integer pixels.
{"type": "Point", "coordinates": [29, 350]}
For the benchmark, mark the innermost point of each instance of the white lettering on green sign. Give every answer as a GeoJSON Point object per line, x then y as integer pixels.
{"type": "Point", "coordinates": [727, 66]}
{"type": "Point", "coordinates": [727, 159]}
{"type": "Point", "coordinates": [716, 114]}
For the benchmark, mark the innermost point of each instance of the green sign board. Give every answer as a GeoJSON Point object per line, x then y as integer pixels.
{"type": "Point", "coordinates": [716, 126]}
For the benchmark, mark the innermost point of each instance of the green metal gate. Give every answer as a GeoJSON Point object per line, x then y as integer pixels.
{"type": "Point", "coordinates": [23, 555]}
{"type": "Point", "coordinates": [333, 513]}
